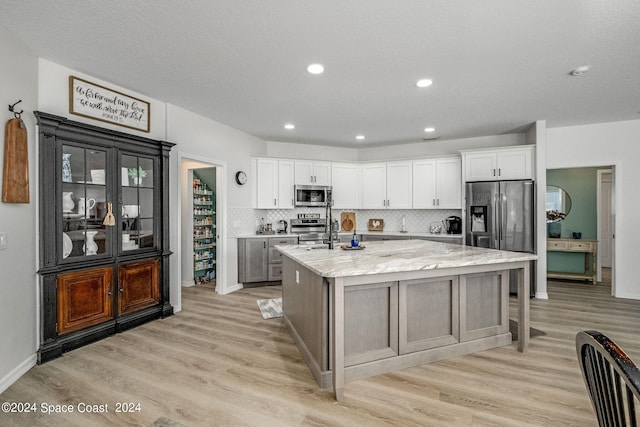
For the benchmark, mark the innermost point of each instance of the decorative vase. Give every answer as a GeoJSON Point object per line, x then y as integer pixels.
{"type": "Point", "coordinates": [137, 181]}
{"type": "Point", "coordinates": [90, 247]}
{"type": "Point", "coordinates": [66, 167]}
{"type": "Point", "coordinates": [67, 201]}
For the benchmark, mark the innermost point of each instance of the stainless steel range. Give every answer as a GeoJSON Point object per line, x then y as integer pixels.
{"type": "Point", "coordinates": [310, 228]}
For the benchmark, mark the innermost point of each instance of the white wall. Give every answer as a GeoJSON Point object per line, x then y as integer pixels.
{"type": "Point", "coordinates": [53, 97]}
{"type": "Point", "coordinates": [607, 144]}
{"type": "Point", "coordinates": [18, 263]}
{"type": "Point", "coordinates": [438, 148]}
{"type": "Point", "coordinates": [198, 138]}
{"type": "Point", "coordinates": [289, 150]}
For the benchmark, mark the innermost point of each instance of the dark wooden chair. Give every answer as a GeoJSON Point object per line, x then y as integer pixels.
{"type": "Point", "coordinates": [612, 379]}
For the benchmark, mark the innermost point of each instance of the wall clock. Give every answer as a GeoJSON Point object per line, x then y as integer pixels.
{"type": "Point", "coordinates": [241, 178]}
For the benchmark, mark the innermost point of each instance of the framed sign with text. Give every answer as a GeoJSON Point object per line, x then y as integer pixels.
{"type": "Point", "coordinates": [97, 102]}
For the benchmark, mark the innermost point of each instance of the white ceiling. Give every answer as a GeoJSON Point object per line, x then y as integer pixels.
{"type": "Point", "coordinates": [497, 65]}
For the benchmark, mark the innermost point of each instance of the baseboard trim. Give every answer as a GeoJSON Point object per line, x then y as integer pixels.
{"type": "Point", "coordinates": [542, 295]}
{"type": "Point", "coordinates": [17, 372]}
{"type": "Point", "coordinates": [228, 290]}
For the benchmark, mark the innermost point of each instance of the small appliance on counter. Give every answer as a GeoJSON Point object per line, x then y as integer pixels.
{"type": "Point", "coordinates": [282, 226]}
{"type": "Point", "coordinates": [453, 225]}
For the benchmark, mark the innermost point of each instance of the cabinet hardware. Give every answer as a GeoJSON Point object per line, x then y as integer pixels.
{"type": "Point", "coordinates": [275, 202]}
{"type": "Point", "coordinates": [494, 172]}
{"type": "Point", "coordinates": [499, 172]}
{"type": "Point", "coordinates": [122, 290]}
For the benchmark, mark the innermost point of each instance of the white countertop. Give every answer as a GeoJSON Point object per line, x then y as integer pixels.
{"type": "Point", "coordinates": [393, 256]}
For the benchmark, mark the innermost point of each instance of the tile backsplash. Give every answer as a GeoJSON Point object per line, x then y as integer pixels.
{"type": "Point", "coordinates": [242, 221]}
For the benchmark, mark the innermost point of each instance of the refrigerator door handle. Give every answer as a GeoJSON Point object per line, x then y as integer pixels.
{"type": "Point", "coordinates": [503, 219]}
{"type": "Point", "coordinates": [495, 232]}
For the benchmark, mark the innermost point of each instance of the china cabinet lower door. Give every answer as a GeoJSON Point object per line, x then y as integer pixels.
{"type": "Point", "coordinates": [84, 298]}
{"type": "Point", "coordinates": [138, 285]}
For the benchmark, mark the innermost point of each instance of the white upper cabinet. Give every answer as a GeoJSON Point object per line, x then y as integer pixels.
{"type": "Point", "coordinates": [387, 185]}
{"type": "Point", "coordinates": [312, 173]}
{"type": "Point", "coordinates": [273, 184]}
{"type": "Point", "coordinates": [374, 186]}
{"type": "Point", "coordinates": [399, 185]}
{"type": "Point", "coordinates": [499, 164]}
{"type": "Point", "coordinates": [266, 183]}
{"type": "Point", "coordinates": [437, 183]}
{"type": "Point", "coordinates": [285, 184]}
{"type": "Point", "coordinates": [345, 179]}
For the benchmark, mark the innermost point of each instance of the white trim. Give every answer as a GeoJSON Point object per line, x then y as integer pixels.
{"type": "Point", "coordinates": [221, 219]}
{"type": "Point", "coordinates": [17, 372]}
{"type": "Point", "coordinates": [542, 295]}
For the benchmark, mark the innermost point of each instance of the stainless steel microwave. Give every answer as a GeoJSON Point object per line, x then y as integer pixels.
{"type": "Point", "coordinates": [311, 195]}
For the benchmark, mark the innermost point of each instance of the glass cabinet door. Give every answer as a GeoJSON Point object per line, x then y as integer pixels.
{"type": "Point", "coordinates": [137, 228]}
{"type": "Point", "coordinates": [83, 202]}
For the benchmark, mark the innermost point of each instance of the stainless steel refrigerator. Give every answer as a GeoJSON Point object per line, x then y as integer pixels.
{"type": "Point", "coordinates": [501, 215]}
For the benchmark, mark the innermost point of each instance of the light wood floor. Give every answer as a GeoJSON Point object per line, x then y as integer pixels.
{"type": "Point", "coordinates": [219, 363]}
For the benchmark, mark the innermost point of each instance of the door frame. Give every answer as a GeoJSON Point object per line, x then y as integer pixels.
{"type": "Point", "coordinates": [601, 172]}
{"type": "Point", "coordinates": [221, 213]}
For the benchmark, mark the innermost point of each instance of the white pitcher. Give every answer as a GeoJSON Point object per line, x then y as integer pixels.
{"type": "Point", "coordinates": [85, 206]}
{"type": "Point", "coordinates": [67, 201]}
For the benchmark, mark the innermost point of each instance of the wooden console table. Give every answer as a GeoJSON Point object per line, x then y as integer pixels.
{"type": "Point", "coordinates": [586, 246]}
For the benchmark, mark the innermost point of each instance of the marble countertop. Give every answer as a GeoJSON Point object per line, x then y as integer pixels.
{"type": "Point", "coordinates": [393, 256]}
{"type": "Point", "coordinates": [408, 235]}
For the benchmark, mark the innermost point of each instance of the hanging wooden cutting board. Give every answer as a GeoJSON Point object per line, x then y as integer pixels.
{"type": "Point", "coordinates": [15, 176]}
{"type": "Point", "coordinates": [348, 221]}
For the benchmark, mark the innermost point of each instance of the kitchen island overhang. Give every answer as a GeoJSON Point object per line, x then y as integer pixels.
{"type": "Point", "coordinates": [397, 304]}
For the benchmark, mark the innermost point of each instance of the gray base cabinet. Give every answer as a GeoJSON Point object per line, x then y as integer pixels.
{"type": "Point", "coordinates": [395, 324]}
{"type": "Point", "coordinates": [259, 260]}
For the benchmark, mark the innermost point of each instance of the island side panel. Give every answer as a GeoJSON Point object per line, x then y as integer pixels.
{"type": "Point", "coordinates": [305, 305]}
{"type": "Point", "coordinates": [484, 305]}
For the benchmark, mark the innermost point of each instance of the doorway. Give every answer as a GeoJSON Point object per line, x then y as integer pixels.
{"type": "Point", "coordinates": [202, 218]}
{"type": "Point", "coordinates": [591, 216]}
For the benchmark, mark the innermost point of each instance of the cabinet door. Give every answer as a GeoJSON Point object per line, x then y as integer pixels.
{"type": "Point", "coordinates": [138, 285]}
{"type": "Point", "coordinates": [514, 164]}
{"type": "Point", "coordinates": [399, 185]}
{"type": "Point", "coordinates": [480, 166]}
{"type": "Point", "coordinates": [285, 184]}
{"type": "Point", "coordinates": [137, 211]}
{"type": "Point", "coordinates": [267, 184]}
{"type": "Point", "coordinates": [84, 298]}
{"type": "Point", "coordinates": [322, 173]}
{"type": "Point", "coordinates": [424, 184]}
{"type": "Point", "coordinates": [449, 183]}
{"type": "Point", "coordinates": [84, 189]}
{"type": "Point", "coordinates": [256, 260]}
{"type": "Point", "coordinates": [374, 186]}
{"type": "Point", "coordinates": [303, 173]}
{"type": "Point", "coordinates": [345, 185]}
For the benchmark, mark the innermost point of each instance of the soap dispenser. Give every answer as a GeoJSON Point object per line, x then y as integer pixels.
{"type": "Point", "coordinates": [354, 240]}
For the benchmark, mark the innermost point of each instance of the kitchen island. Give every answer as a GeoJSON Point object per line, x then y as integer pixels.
{"type": "Point", "coordinates": [397, 304]}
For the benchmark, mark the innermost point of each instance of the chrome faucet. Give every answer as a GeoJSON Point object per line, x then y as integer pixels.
{"type": "Point", "coordinates": [328, 225]}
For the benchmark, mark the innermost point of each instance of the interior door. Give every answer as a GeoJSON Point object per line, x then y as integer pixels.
{"type": "Point", "coordinates": [605, 240]}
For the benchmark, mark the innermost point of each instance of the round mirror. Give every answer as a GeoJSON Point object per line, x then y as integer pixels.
{"type": "Point", "coordinates": [558, 204]}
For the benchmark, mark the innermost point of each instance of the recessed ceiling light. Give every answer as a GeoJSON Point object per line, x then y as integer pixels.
{"type": "Point", "coordinates": [360, 137]}
{"type": "Point", "coordinates": [424, 82]}
{"type": "Point", "coordinates": [315, 69]}
{"type": "Point", "coordinates": [429, 129]}
{"type": "Point", "coordinates": [289, 126]}
{"type": "Point", "coordinates": [580, 70]}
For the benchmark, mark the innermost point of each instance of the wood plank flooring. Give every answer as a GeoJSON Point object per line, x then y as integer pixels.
{"type": "Point", "coordinates": [218, 363]}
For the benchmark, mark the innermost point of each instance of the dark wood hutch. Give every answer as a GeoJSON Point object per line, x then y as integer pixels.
{"type": "Point", "coordinates": [103, 232]}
